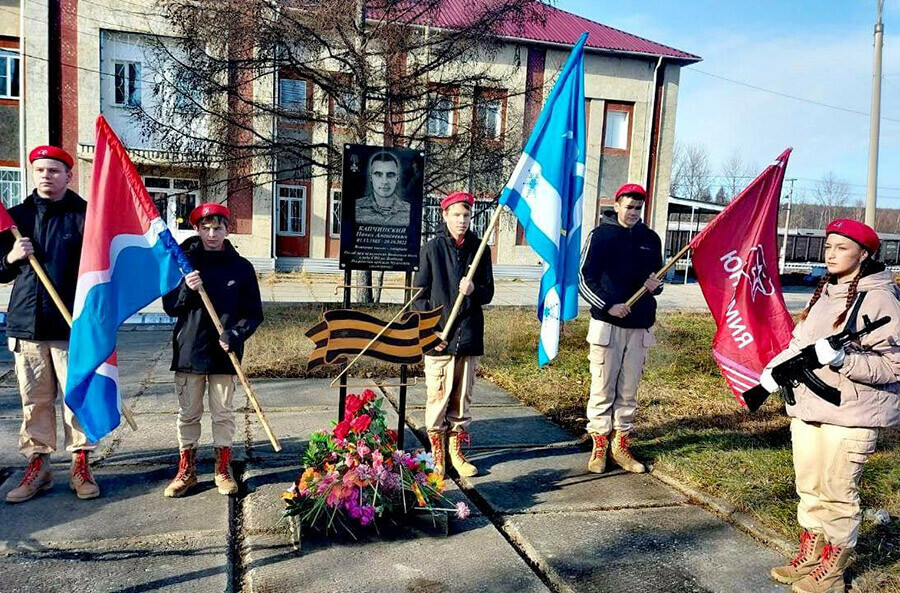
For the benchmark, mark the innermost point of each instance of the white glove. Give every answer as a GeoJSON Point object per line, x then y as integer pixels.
{"type": "Point", "coordinates": [827, 355]}
{"type": "Point", "coordinates": [768, 382]}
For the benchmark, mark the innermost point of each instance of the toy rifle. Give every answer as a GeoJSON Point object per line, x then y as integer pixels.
{"type": "Point", "coordinates": [799, 369]}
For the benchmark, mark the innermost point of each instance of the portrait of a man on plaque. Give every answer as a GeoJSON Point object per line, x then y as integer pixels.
{"type": "Point", "coordinates": [381, 217]}
{"type": "Point", "coordinates": [382, 203]}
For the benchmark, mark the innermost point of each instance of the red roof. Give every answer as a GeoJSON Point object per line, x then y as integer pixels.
{"type": "Point", "coordinates": [559, 27]}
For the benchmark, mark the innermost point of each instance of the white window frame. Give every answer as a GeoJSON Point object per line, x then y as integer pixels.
{"type": "Point", "coordinates": [494, 107]}
{"type": "Point", "coordinates": [435, 118]}
{"type": "Point", "coordinates": [172, 194]}
{"type": "Point", "coordinates": [9, 56]}
{"type": "Point", "coordinates": [332, 218]}
{"type": "Point", "coordinates": [623, 130]}
{"type": "Point", "coordinates": [11, 186]}
{"type": "Point", "coordinates": [302, 199]}
{"type": "Point", "coordinates": [293, 106]}
{"type": "Point", "coordinates": [131, 100]}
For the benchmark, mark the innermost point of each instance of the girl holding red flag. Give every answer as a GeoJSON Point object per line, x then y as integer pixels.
{"type": "Point", "coordinates": [831, 443]}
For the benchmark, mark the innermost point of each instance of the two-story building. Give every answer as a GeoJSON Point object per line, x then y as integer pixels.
{"type": "Point", "coordinates": [293, 222]}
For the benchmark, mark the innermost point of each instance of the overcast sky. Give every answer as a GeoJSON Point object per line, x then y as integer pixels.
{"type": "Point", "coordinates": [819, 51]}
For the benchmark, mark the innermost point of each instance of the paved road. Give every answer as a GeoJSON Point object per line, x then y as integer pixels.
{"type": "Point", "coordinates": [543, 523]}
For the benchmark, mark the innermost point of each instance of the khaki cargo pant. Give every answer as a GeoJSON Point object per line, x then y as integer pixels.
{"type": "Point", "coordinates": [828, 462]}
{"type": "Point", "coordinates": [617, 356]}
{"type": "Point", "coordinates": [190, 389]}
{"type": "Point", "coordinates": [41, 374]}
{"type": "Point", "coordinates": [449, 381]}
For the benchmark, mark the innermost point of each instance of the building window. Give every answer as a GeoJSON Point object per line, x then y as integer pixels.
{"type": "Point", "coordinates": [334, 230]}
{"type": "Point", "coordinates": [10, 186]}
{"type": "Point", "coordinates": [292, 210]}
{"type": "Point", "coordinates": [346, 103]}
{"type": "Point", "coordinates": [292, 94]}
{"type": "Point", "coordinates": [9, 74]}
{"type": "Point", "coordinates": [490, 118]}
{"type": "Point", "coordinates": [128, 84]}
{"type": "Point", "coordinates": [174, 199]}
{"type": "Point", "coordinates": [617, 127]}
{"type": "Point", "coordinates": [440, 117]}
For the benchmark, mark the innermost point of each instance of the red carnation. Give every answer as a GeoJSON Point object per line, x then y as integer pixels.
{"type": "Point", "coordinates": [342, 429]}
{"type": "Point", "coordinates": [367, 396]}
{"type": "Point", "coordinates": [361, 423]}
{"type": "Point", "coordinates": [353, 405]}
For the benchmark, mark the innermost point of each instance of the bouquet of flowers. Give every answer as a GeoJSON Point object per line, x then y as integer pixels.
{"type": "Point", "coordinates": [355, 475]}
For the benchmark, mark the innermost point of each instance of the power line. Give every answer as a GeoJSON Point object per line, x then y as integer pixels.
{"type": "Point", "coordinates": [787, 96]}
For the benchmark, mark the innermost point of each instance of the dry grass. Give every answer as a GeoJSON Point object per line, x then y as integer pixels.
{"type": "Point", "coordinates": [688, 422]}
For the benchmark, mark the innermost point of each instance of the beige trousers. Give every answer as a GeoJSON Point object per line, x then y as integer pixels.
{"type": "Point", "coordinates": [617, 356]}
{"type": "Point", "coordinates": [41, 373]}
{"type": "Point", "coordinates": [190, 389]}
{"type": "Point", "coordinates": [828, 462]}
{"type": "Point", "coordinates": [449, 381]}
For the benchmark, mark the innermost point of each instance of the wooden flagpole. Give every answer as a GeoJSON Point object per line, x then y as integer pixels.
{"type": "Point", "coordinates": [251, 395]}
{"type": "Point", "coordinates": [471, 274]}
{"type": "Point", "coordinates": [378, 335]}
{"type": "Point", "coordinates": [662, 272]}
{"type": "Point", "coordinates": [63, 310]}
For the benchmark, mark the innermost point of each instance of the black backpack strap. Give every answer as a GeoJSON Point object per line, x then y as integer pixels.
{"type": "Point", "coordinates": [852, 317]}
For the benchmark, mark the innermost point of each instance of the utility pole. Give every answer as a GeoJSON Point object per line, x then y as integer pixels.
{"type": "Point", "coordinates": [787, 226]}
{"type": "Point", "coordinates": [875, 120]}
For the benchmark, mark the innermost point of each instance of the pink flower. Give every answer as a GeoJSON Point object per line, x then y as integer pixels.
{"type": "Point", "coordinates": [462, 510]}
{"type": "Point", "coordinates": [367, 515]}
{"type": "Point", "coordinates": [362, 450]}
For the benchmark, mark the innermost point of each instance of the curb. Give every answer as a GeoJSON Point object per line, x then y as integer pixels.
{"type": "Point", "coordinates": [729, 513]}
{"type": "Point", "coordinates": [136, 319]}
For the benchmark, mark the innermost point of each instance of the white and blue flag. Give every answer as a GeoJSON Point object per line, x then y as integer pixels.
{"type": "Point", "coordinates": [545, 193]}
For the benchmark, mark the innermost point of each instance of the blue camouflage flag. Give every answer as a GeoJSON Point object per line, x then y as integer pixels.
{"type": "Point", "coordinates": [545, 193]}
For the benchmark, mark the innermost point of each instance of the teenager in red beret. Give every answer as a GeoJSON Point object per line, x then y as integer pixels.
{"type": "Point", "coordinates": [200, 354]}
{"type": "Point", "coordinates": [831, 443]}
{"type": "Point", "coordinates": [450, 368]}
{"type": "Point", "coordinates": [51, 221]}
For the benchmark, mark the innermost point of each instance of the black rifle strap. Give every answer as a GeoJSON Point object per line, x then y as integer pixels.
{"type": "Point", "coordinates": [852, 317]}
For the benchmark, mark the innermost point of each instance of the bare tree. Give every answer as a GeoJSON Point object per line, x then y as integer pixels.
{"type": "Point", "coordinates": [691, 172]}
{"type": "Point", "coordinates": [735, 175]}
{"type": "Point", "coordinates": [367, 72]}
{"type": "Point", "coordinates": [832, 194]}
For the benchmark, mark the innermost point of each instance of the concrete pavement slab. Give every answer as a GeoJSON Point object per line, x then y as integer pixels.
{"type": "Point", "coordinates": [485, 393]}
{"type": "Point", "coordinates": [132, 506]}
{"type": "Point", "coordinates": [680, 549]}
{"type": "Point", "coordinates": [296, 393]}
{"type": "Point", "coordinates": [10, 402]}
{"type": "Point", "coordinates": [172, 566]}
{"type": "Point", "coordinates": [475, 558]}
{"type": "Point", "coordinates": [555, 479]}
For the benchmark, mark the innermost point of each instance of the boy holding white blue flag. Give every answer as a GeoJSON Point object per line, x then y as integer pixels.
{"type": "Point", "coordinates": [620, 256]}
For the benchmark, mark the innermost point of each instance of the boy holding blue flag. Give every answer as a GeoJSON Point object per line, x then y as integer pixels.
{"type": "Point", "coordinates": [200, 353]}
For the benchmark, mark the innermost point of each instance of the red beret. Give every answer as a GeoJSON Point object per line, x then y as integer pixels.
{"type": "Point", "coordinates": [51, 152]}
{"type": "Point", "coordinates": [457, 196]}
{"type": "Point", "coordinates": [632, 189]}
{"type": "Point", "coordinates": [859, 232]}
{"type": "Point", "coordinates": [209, 209]}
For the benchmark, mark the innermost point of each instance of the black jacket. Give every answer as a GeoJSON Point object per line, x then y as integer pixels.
{"type": "Point", "coordinates": [56, 230]}
{"type": "Point", "coordinates": [231, 284]}
{"type": "Point", "coordinates": [615, 262]}
{"type": "Point", "coordinates": [442, 265]}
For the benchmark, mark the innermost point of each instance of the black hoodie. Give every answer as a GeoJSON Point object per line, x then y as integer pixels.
{"type": "Point", "coordinates": [231, 284]}
{"type": "Point", "coordinates": [615, 262]}
{"type": "Point", "coordinates": [442, 265]}
{"type": "Point", "coordinates": [56, 230]}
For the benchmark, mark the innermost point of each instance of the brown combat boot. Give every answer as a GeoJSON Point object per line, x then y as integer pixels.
{"type": "Point", "coordinates": [37, 479]}
{"type": "Point", "coordinates": [186, 477]}
{"type": "Point", "coordinates": [597, 462]}
{"type": "Point", "coordinates": [436, 438]}
{"type": "Point", "coordinates": [81, 480]}
{"type": "Point", "coordinates": [457, 457]}
{"type": "Point", "coordinates": [620, 451]}
{"type": "Point", "coordinates": [806, 560]}
{"type": "Point", "coordinates": [224, 480]}
{"type": "Point", "coordinates": [828, 577]}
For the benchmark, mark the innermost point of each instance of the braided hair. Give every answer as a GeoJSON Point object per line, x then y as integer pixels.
{"type": "Point", "coordinates": [868, 266]}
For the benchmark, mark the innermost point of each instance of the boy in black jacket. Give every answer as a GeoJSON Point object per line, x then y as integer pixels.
{"type": "Point", "coordinates": [621, 255]}
{"type": "Point", "coordinates": [200, 354]}
{"type": "Point", "coordinates": [450, 369]}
